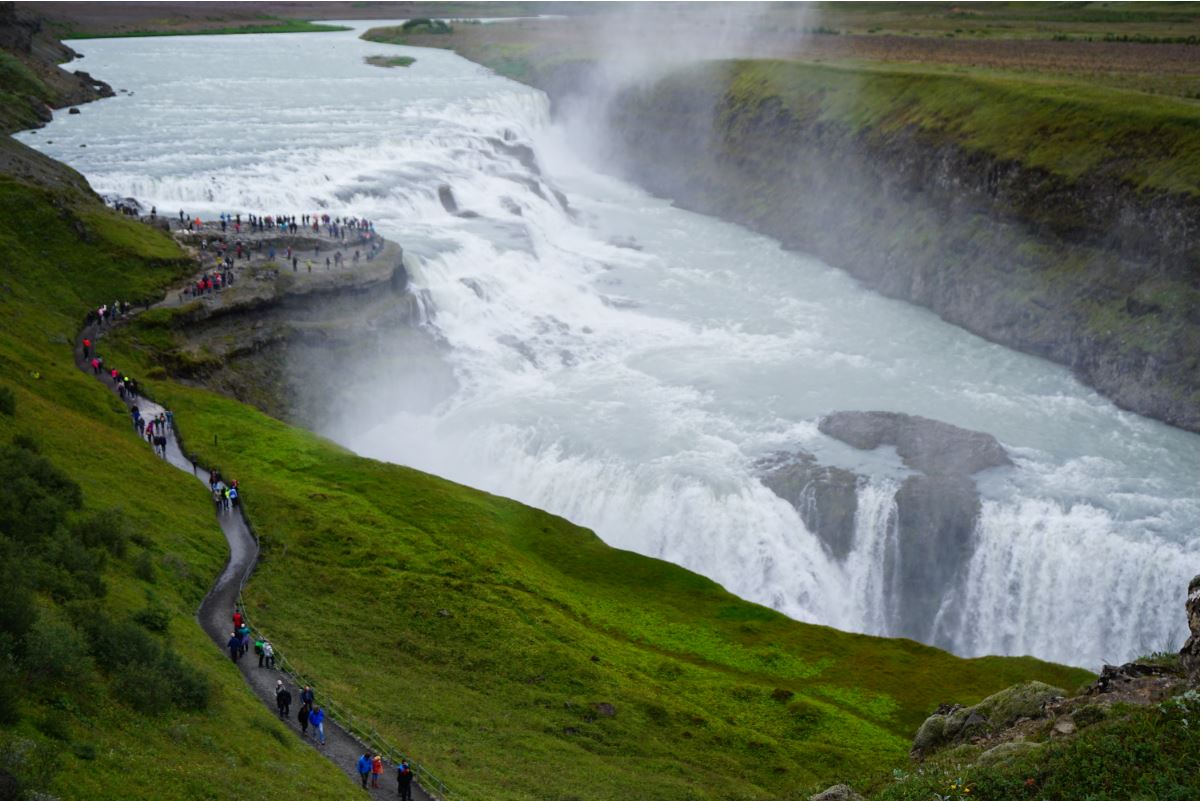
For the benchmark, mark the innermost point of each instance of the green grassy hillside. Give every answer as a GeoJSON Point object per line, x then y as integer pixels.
{"type": "Point", "coordinates": [520, 657]}
{"type": "Point", "coordinates": [106, 535]}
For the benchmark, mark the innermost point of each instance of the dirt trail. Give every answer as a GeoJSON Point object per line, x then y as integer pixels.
{"type": "Point", "coordinates": [214, 614]}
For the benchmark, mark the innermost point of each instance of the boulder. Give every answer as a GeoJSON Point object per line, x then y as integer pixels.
{"type": "Point", "coordinates": [838, 792]}
{"type": "Point", "coordinates": [926, 445]}
{"type": "Point", "coordinates": [1005, 752]}
{"type": "Point", "coordinates": [960, 724]}
{"type": "Point", "coordinates": [1188, 657]}
{"type": "Point", "coordinates": [1064, 727]}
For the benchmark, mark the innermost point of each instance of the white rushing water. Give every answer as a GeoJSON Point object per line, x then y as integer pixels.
{"type": "Point", "coordinates": [625, 364]}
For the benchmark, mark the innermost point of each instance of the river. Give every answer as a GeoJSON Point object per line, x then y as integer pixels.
{"type": "Point", "coordinates": [625, 363]}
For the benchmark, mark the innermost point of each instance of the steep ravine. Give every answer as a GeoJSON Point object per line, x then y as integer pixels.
{"type": "Point", "coordinates": [1091, 274]}
{"type": "Point", "coordinates": [1087, 270]}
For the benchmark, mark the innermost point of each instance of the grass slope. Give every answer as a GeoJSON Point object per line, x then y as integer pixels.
{"type": "Point", "coordinates": [1068, 129]}
{"type": "Point", "coordinates": [1071, 126]}
{"type": "Point", "coordinates": [78, 736]}
{"type": "Point", "coordinates": [519, 657]}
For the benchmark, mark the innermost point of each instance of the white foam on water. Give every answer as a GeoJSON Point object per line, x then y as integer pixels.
{"type": "Point", "coordinates": [625, 363]}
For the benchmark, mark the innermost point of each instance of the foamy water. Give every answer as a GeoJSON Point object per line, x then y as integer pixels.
{"type": "Point", "coordinates": [625, 363]}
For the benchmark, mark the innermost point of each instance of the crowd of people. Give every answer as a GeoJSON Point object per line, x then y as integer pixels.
{"type": "Point", "coordinates": [225, 496]}
{"type": "Point", "coordinates": [358, 233]}
{"type": "Point", "coordinates": [156, 428]}
{"type": "Point", "coordinates": [310, 714]}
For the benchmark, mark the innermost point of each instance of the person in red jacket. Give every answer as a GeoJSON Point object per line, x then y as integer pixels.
{"type": "Point", "coordinates": [237, 620]}
{"type": "Point", "coordinates": [87, 348]}
{"type": "Point", "coordinates": [377, 770]}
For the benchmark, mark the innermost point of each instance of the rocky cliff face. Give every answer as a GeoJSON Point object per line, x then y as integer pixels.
{"type": "Point", "coordinates": [288, 343]}
{"type": "Point", "coordinates": [1090, 273]}
{"type": "Point", "coordinates": [29, 98]}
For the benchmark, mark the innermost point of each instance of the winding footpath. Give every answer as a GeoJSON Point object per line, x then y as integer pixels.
{"type": "Point", "coordinates": [215, 611]}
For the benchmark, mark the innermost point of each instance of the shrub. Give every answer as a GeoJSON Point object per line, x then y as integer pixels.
{"type": "Point", "coordinates": [37, 496]}
{"type": "Point", "coordinates": [55, 726]}
{"type": "Point", "coordinates": [10, 693]}
{"type": "Point", "coordinates": [25, 442]}
{"type": "Point", "coordinates": [8, 402]}
{"type": "Point", "coordinates": [154, 617]}
{"type": "Point", "coordinates": [424, 25]}
{"type": "Point", "coordinates": [55, 652]}
{"type": "Point", "coordinates": [114, 644]}
{"type": "Point", "coordinates": [142, 687]}
{"type": "Point", "coordinates": [107, 529]}
{"type": "Point", "coordinates": [84, 751]}
{"type": "Point", "coordinates": [17, 611]}
{"type": "Point", "coordinates": [144, 567]}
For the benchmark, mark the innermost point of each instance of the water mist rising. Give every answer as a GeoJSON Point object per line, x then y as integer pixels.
{"type": "Point", "coordinates": [627, 364]}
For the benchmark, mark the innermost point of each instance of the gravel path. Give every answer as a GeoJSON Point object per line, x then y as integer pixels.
{"type": "Point", "coordinates": [214, 614]}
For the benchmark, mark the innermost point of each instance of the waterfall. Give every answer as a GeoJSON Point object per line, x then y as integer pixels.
{"type": "Point", "coordinates": [624, 363]}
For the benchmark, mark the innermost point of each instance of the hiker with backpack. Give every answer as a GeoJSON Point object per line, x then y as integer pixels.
{"type": "Point", "coordinates": [404, 781]}
{"type": "Point", "coordinates": [234, 646]}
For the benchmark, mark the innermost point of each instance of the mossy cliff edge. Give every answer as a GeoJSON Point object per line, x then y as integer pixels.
{"type": "Point", "coordinates": [1055, 217]}
{"type": "Point", "coordinates": [1075, 262]}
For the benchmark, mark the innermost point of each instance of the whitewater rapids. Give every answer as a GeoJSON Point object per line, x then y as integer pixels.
{"type": "Point", "coordinates": [624, 363]}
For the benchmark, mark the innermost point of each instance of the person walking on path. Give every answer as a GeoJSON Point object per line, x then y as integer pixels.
{"type": "Point", "coordinates": [404, 781]}
{"type": "Point", "coordinates": [268, 655]}
{"type": "Point", "coordinates": [317, 720]}
{"type": "Point", "coordinates": [244, 633]}
{"type": "Point", "coordinates": [377, 770]}
{"type": "Point", "coordinates": [307, 697]}
{"type": "Point", "coordinates": [87, 348]}
{"type": "Point", "coordinates": [364, 767]}
{"type": "Point", "coordinates": [302, 718]}
{"type": "Point", "coordinates": [283, 700]}
{"type": "Point", "coordinates": [235, 646]}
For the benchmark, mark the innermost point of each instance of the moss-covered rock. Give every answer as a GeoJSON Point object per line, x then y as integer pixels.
{"type": "Point", "coordinates": [1006, 752]}
{"type": "Point", "coordinates": [958, 724]}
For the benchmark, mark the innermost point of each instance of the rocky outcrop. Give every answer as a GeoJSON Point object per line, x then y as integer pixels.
{"type": "Point", "coordinates": [24, 36]}
{"type": "Point", "coordinates": [1189, 652]}
{"type": "Point", "coordinates": [825, 497]}
{"type": "Point", "coordinates": [929, 446]}
{"type": "Point", "coordinates": [936, 510]}
{"type": "Point", "coordinates": [1003, 723]}
{"type": "Point", "coordinates": [956, 724]}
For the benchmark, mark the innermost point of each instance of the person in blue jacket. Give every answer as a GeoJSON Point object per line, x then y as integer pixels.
{"type": "Point", "coordinates": [316, 719]}
{"type": "Point", "coordinates": [364, 769]}
{"type": "Point", "coordinates": [235, 646]}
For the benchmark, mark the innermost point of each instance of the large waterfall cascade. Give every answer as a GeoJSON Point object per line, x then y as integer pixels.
{"type": "Point", "coordinates": [626, 364]}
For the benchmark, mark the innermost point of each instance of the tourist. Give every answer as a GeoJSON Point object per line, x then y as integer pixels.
{"type": "Point", "coordinates": [235, 646]}
{"type": "Point", "coordinates": [302, 717]}
{"type": "Point", "coordinates": [307, 697]}
{"type": "Point", "coordinates": [244, 633]}
{"type": "Point", "coordinates": [364, 767]}
{"type": "Point", "coordinates": [404, 781]}
{"type": "Point", "coordinates": [268, 655]}
{"type": "Point", "coordinates": [283, 700]}
{"type": "Point", "coordinates": [377, 770]}
{"type": "Point", "coordinates": [87, 347]}
{"type": "Point", "coordinates": [317, 720]}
